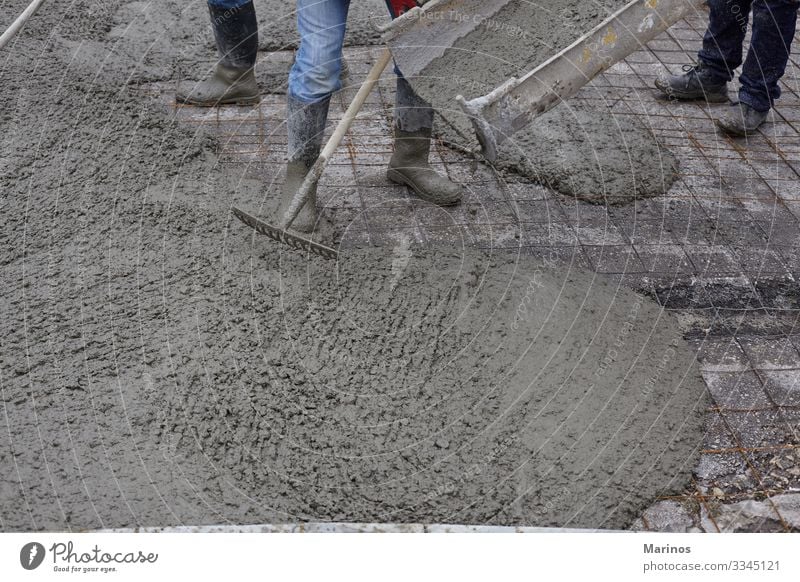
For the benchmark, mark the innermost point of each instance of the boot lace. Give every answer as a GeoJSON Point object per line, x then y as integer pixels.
{"type": "Point", "coordinates": [695, 68]}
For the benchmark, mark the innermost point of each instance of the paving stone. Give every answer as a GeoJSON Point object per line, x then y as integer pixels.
{"type": "Point", "coordinates": [751, 516]}
{"type": "Point", "coordinates": [646, 231]}
{"type": "Point", "coordinates": [539, 211]}
{"type": "Point", "coordinates": [491, 212]}
{"type": "Point", "coordinates": [614, 259]}
{"type": "Point", "coordinates": [777, 468]}
{"type": "Point", "coordinates": [431, 215]}
{"type": "Point", "coordinates": [381, 217]}
{"type": "Point", "coordinates": [568, 256]}
{"type": "Point", "coordinates": [771, 353]}
{"type": "Point", "coordinates": [736, 390]}
{"type": "Point", "coordinates": [758, 428]}
{"type": "Point", "coordinates": [665, 516]}
{"type": "Point", "coordinates": [396, 237]}
{"type": "Point", "coordinates": [508, 236]}
{"type": "Point", "coordinates": [717, 435]}
{"type": "Point", "coordinates": [600, 233]}
{"type": "Point", "coordinates": [712, 260]}
{"type": "Point", "coordinates": [778, 292]}
{"type": "Point", "coordinates": [722, 355]}
{"type": "Point", "coordinates": [726, 471]}
{"type": "Point", "coordinates": [732, 293]}
{"type": "Point", "coordinates": [455, 235]}
{"type": "Point", "coordinates": [782, 236]}
{"type": "Point", "coordinates": [339, 196]}
{"type": "Point", "coordinates": [746, 232]}
{"type": "Point", "coordinates": [549, 234]}
{"type": "Point", "coordinates": [759, 260]}
{"type": "Point", "coordinates": [664, 259]}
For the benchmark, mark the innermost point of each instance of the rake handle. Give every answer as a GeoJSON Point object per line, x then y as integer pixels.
{"type": "Point", "coordinates": [15, 27]}
{"type": "Point", "coordinates": [313, 175]}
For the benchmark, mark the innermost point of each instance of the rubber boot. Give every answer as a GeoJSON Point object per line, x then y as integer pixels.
{"type": "Point", "coordinates": [412, 144]}
{"type": "Point", "coordinates": [306, 128]}
{"type": "Point", "coordinates": [233, 79]}
{"type": "Point", "coordinates": [409, 166]}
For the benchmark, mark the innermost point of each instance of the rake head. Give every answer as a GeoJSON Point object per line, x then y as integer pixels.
{"type": "Point", "coordinates": [284, 236]}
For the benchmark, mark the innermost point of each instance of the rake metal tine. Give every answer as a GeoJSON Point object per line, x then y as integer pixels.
{"type": "Point", "coordinates": [284, 236]}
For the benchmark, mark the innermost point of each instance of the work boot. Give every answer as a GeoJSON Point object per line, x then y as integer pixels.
{"type": "Point", "coordinates": [233, 79]}
{"type": "Point", "coordinates": [741, 119]}
{"type": "Point", "coordinates": [306, 127]}
{"type": "Point", "coordinates": [413, 123]}
{"type": "Point", "coordinates": [697, 82]}
{"type": "Point", "coordinates": [409, 166]}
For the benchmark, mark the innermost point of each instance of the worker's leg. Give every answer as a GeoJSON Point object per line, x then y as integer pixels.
{"type": "Point", "coordinates": [774, 23]}
{"type": "Point", "coordinates": [315, 72]}
{"type": "Point", "coordinates": [413, 127]}
{"type": "Point", "coordinates": [233, 80]}
{"type": "Point", "coordinates": [722, 43]}
{"type": "Point", "coordinates": [312, 79]}
{"type": "Point", "coordinates": [719, 56]}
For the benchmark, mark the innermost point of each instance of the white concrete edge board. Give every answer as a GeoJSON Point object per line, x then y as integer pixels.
{"type": "Point", "coordinates": [343, 527]}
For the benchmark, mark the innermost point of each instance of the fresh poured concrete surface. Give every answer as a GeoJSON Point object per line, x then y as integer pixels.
{"type": "Point", "coordinates": [436, 386]}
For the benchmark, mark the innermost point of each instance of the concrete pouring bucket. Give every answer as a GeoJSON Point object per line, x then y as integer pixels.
{"type": "Point", "coordinates": [424, 34]}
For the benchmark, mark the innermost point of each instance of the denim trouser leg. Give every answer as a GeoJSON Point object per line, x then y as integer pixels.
{"type": "Point", "coordinates": [228, 3]}
{"type": "Point", "coordinates": [774, 23]}
{"type": "Point", "coordinates": [722, 42]}
{"type": "Point", "coordinates": [315, 72]}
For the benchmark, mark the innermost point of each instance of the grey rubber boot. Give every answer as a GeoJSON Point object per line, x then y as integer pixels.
{"type": "Point", "coordinates": [413, 126]}
{"type": "Point", "coordinates": [741, 119]}
{"type": "Point", "coordinates": [306, 127]}
{"type": "Point", "coordinates": [233, 79]}
{"type": "Point", "coordinates": [697, 82]}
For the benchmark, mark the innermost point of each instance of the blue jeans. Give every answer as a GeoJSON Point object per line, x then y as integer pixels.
{"type": "Point", "coordinates": [318, 62]}
{"type": "Point", "coordinates": [228, 3]}
{"type": "Point", "coordinates": [774, 23]}
{"type": "Point", "coordinates": [314, 76]}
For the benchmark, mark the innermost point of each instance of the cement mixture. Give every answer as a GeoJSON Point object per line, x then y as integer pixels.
{"type": "Point", "coordinates": [161, 366]}
{"type": "Point", "coordinates": [428, 386]}
{"type": "Point", "coordinates": [582, 150]}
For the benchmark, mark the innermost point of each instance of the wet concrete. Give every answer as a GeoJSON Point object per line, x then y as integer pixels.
{"type": "Point", "coordinates": [161, 366]}
{"type": "Point", "coordinates": [586, 151]}
{"type": "Point", "coordinates": [436, 386]}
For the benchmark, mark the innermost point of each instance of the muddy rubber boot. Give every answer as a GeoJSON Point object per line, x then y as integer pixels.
{"type": "Point", "coordinates": [413, 123]}
{"type": "Point", "coordinates": [697, 82]}
{"type": "Point", "coordinates": [409, 166]}
{"type": "Point", "coordinates": [741, 119]}
{"type": "Point", "coordinates": [306, 127]}
{"type": "Point", "coordinates": [233, 79]}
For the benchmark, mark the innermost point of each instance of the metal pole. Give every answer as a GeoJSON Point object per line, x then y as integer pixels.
{"type": "Point", "coordinates": [15, 27]}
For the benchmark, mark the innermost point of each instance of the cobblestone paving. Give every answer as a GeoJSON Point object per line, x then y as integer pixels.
{"type": "Point", "coordinates": [721, 250]}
